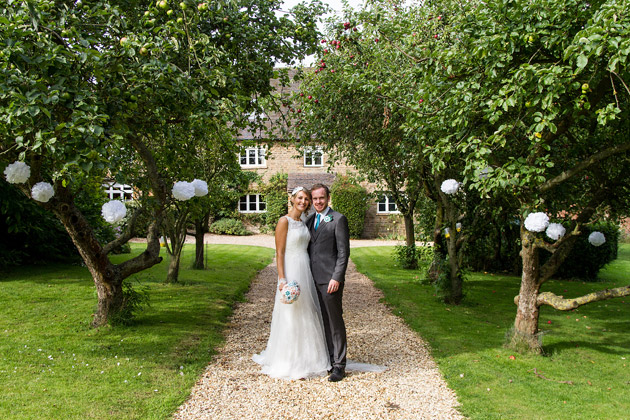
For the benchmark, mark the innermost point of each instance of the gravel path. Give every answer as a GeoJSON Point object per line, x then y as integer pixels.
{"type": "Point", "coordinates": [232, 386]}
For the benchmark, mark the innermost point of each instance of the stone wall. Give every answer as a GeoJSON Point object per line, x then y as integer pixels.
{"type": "Point", "coordinates": [391, 226]}
{"type": "Point", "coordinates": [284, 157]}
{"type": "Point", "coordinates": [625, 229]}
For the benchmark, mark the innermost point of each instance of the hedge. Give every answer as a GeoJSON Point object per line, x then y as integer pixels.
{"type": "Point", "coordinates": [350, 199]}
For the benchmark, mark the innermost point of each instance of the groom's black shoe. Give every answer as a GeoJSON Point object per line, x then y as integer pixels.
{"type": "Point", "coordinates": [337, 374]}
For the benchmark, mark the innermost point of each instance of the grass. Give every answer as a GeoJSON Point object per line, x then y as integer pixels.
{"type": "Point", "coordinates": [54, 365]}
{"type": "Point", "coordinates": [589, 346]}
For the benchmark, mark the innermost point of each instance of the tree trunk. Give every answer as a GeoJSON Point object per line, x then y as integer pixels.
{"type": "Point", "coordinates": [457, 287]}
{"type": "Point", "coordinates": [410, 237]}
{"type": "Point", "coordinates": [456, 290]}
{"type": "Point", "coordinates": [199, 247]}
{"type": "Point", "coordinates": [175, 228]}
{"type": "Point", "coordinates": [525, 335]}
{"type": "Point", "coordinates": [201, 227]}
{"type": "Point", "coordinates": [108, 278]}
{"type": "Point", "coordinates": [110, 300]}
{"type": "Point", "coordinates": [497, 247]}
{"type": "Point", "coordinates": [438, 245]}
{"type": "Point", "coordinates": [172, 276]}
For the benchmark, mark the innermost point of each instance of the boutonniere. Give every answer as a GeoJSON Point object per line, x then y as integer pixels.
{"type": "Point", "coordinates": [328, 219]}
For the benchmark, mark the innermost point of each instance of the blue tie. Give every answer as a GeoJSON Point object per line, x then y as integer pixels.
{"type": "Point", "coordinates": [317, 221]}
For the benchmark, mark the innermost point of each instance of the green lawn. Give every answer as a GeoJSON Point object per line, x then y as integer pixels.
{"type": "Point", "coordinates": [589, 346]}
{"type": "Point", "coordinates": [54, 366]}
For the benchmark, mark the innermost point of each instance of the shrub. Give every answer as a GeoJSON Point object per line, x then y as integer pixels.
{"type": "Point", "coordinates": [276, 198]}
{"type": "Point", "coordinates": [28, 233]}
{"type": "Point", "coordinates": [407, 256]}
{"type": "Point", "coordinates": [228, 227]}
{"type": "Point", "coordinates": [134, 300]}
{"type": "Point", "coordinates": [585, 260]}
{"type": "Point", "coordinates": [350, 199]}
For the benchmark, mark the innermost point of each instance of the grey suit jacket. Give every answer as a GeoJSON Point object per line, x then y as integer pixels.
{"type": "Point", "coordinates": [329, 248]}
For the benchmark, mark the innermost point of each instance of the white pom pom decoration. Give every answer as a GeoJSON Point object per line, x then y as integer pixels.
{"type": "Point", "coordinates": [183, 190]}
{"type": "Point", "coordinates": [536, 222]}
{"type": "Point", "coordinates": [596, 238]}
{"type": "Point", "coordinates": [555, 231]}
{"type": "Point", "coordinates": [42, 191]}
{"type": "Point", "coordinates": [17, 172]}
{"type": "Point", "coordinates": [450, 186]}
{"type": "Point", "coordinates": [114, 211]}
{"type": "Point", "coordinates": [201, 187]}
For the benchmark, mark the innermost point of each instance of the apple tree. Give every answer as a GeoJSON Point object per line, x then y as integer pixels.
{"type": "Point", "coordinates": [361, 101]}
{"type": "Point", "coordinates": [535, 95]}
{"type": "Point", "coordinates": [91, 89]}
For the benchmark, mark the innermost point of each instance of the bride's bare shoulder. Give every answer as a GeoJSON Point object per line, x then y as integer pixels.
{"type": "Point", "coordinates": [283, 221]}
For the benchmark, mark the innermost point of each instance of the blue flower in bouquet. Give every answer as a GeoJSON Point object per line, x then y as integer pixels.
{"type": "Point", "coordinates": [290, 292]}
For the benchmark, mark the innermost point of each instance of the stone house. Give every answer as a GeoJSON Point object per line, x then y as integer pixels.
{"type": "Point", "coordinates": [267, 157]}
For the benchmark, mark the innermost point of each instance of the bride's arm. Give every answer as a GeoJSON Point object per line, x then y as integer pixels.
{"type": "Point", "coordinates": [281, 244]}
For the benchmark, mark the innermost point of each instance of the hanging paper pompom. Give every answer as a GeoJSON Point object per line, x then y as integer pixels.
{"type": "Point", "coordinates": [536, 222]}
{"type": "Point", "coordinates": [114, 211]}
{"type": "Point", "coordinates": [596, 238]}
{"type": "Point", "coordinates": [17, 172]}
{"type": "Point", "coordinates": [201, 187]}
{"type": "Point", "coordinates": [450, 186]}
{"type": "Point", "coordinates": [555, 231]}
{"type": "Point", "coordinates": [42, 191]}
{"type": "Point", "coordinates": [183, 190]}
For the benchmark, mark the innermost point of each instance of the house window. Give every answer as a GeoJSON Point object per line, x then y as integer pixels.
{"type": "Point", "coordinates": [386, 205]}
{"type": "Point", "coordinates": [253, 157]}
{"type": "Point", "coordinates": [252, 203]}
{"type": "Point", "coordinates": [313, 157]}
{"type": "Point", "coordinates": [117, 191]}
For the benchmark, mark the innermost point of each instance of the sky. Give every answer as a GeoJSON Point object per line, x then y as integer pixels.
{"type": "Point", "coordinates": [335, 4]}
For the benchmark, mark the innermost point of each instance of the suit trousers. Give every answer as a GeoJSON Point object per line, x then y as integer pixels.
{"type": "Point", "coordinates": [334, 327]}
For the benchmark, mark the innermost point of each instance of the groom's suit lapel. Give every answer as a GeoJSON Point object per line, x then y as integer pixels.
{"type": "Point", "coordinates": [322, 225]}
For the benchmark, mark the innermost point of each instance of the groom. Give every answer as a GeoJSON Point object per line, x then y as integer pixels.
{"type": "Point", "coordinates": [329, 250]}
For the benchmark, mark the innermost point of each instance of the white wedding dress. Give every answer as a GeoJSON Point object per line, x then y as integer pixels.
{"type": "Point", "coordinates": [297, 345]}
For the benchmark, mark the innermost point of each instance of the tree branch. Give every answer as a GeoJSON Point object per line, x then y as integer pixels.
{"type": "Point", "coordinates": [128, 234]}
{"type": "Point", "coordinates": [157, 183]}
{"type": "Point", "coordinates": [604, 154]}
{"type": "Point", "coordinates": [562, 304]}
{"type": "Point", "coordinates": [150, 256]}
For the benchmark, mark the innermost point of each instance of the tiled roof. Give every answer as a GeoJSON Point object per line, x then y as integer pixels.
{"type": "Point", "coordinates": [307, 180]}
{"type": "Point", "coordinates": [274, 121]}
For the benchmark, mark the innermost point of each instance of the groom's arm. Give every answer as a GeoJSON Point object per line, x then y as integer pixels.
{"type": "Point", "coordinates": [342, 238]}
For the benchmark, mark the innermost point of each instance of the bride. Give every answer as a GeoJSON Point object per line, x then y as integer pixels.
{"type": "Point", "coordinates": [297, 345]}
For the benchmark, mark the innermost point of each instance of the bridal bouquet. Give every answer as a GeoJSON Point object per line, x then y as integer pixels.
{"type": "Point", "coordinates": [290, 292]}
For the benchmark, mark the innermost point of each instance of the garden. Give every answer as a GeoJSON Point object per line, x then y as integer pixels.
{"type": "Point", "coordinates": [497, 129]}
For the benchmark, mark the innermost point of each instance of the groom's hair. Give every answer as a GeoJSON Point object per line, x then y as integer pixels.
{"type": "Point", "coordinates": [318, 186]}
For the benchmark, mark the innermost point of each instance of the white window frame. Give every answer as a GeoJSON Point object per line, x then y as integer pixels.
{"type": "Point", "coordinates": [116, 191]}
{"type": "Point", "coordinates": [308, 154]}
{"type": "Point", "coordinates": [255, 199]}
{"type": "Point", "coordinates": [259, 153]}
{"type": "Point", "coordinates": [388, 201]}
